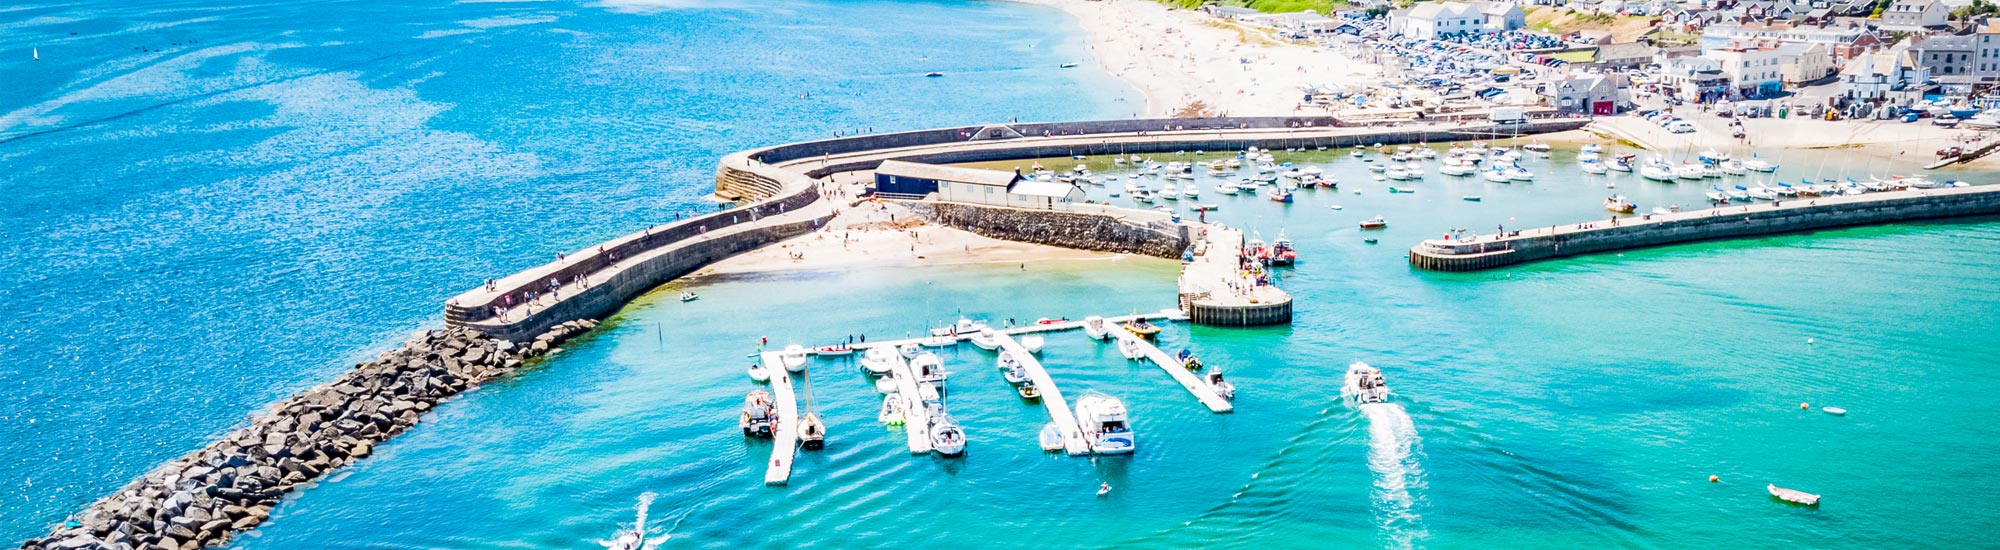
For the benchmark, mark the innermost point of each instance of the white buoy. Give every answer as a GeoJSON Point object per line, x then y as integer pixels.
{"type": "Point", "coordinates": [1809, 341]}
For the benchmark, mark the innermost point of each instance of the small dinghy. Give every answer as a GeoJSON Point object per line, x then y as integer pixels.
{"type": "Point", "coordinates": [1052, 439]}
{"type": "Point", "coordinates": [1471, 198]}
{"type": "Point", "coordinates": [689, 296]}
{"type": "Point", "coordinates": [1836, 411]}
{"type": "Point", "coordinates": [1103, 489]}
{"type": "Point", "coordinates": [1793, 496]}
{"type": "Point", "coordinates": [833, 350]}
{"type": "Point", "coordinates": [759, 374]}
{"type": "Point", "coordinates": [892, 411]}
{"type": "Point", "coordinates": [1028, 391]}
{"type": "Point", "coordinates": [1033, 343]}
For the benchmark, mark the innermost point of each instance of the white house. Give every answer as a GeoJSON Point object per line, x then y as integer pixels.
{"type": "Point", "coordinates": [1753, 71]}
{"type": "Point", "coordinates": [1889, 74]}
{"type": "Point", "coordinates": [1800, 62]}
{"type": "Point", "coordinates": [1914, 15]}
{"type": "Point", "coordinates": [1503, 16]}
{"type": "Point", "coordinates": [1431, 20]}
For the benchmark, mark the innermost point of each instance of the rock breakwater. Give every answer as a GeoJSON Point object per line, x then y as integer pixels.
{"type": "Point", "coordinates": [231, 485]}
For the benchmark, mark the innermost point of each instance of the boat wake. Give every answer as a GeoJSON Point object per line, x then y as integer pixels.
{"type": "Point", "coordinates": [639, 536]}
{"type": "Point", "coordinates": [1392, 455]}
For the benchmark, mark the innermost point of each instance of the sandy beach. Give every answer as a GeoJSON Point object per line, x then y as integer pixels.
{"type": "Point", "coordinates": [887, 236]}
{"type": "Point", "coordinates": [1179, 57]}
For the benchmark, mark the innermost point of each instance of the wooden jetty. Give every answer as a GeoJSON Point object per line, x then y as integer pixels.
{"type": "Point", "coordinates": [1194, 384]}
{"type": "Point", "coordinates": [785, 437]}
{"type": "Point", "coordinates": [1052, 398]}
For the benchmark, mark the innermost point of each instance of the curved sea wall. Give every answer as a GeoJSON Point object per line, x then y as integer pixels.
{"type": "Point", "coordinates": [1787, 216]}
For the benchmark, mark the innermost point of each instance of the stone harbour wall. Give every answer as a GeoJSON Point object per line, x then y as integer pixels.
{"type": "Point", "coordinates": [205, 497]}
{"type": "Point", "coordinates": [1100, 231]}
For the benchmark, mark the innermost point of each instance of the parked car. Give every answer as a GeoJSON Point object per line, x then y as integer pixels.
{"type": "Point", "coordinates": [1680, 126]}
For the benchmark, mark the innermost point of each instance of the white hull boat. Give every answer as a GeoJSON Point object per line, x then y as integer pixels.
{"type": "Point", "coordinates": [1104, 424]}
{"type": "Point", "coordinates": [1033, 343]}
{"type": "Point", "coordinates": [1094, 327]}
{"type": "Point", "coordinates": [1364, 385]}
{"type": "Point", "coordinates": [794, 358]}
{"type": "Point", "coordinates": [986, 340]}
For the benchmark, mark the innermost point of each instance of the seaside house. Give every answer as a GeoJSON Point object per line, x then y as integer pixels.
{"type": "Point", "coordinates": [1432, 20]}
{"type": "Point", "coordinates": [1949, 59]}
{"type": "Point", "coordinates": [1914, 15]}
{"type": "Point", "coordinates": [1753, 71]}
{"type": "Point", "coordinates": [1799, 62]}
{"type": "Point", "coordinates": [900, 179]}
{"type": "Point", "coordinates": [1598, 94]}
{"type": "Point", "coordinates": [1888, 75]}
{"type": "Point", "coordinates": [1233, 13]}
{"type": "Point", "coordinates": [1623, 56]}
{"type": "Point", "coordinates": [1303, 24]}
{"type": "Point", "coordinates": [1693, 79]}
{"type": "Point", "coordinates": [1503, 16]}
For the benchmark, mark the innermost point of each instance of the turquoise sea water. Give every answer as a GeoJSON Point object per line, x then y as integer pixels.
{"type": "Point", "coordinates": [212, 205]}
{"type": "Point", "coordinates": [243, 240]}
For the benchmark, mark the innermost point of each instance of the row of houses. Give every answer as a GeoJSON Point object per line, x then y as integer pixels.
{"type": "Point", "coordinates": [1439, 19]}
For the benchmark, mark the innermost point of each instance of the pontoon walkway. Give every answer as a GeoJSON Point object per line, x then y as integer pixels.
{"type": "Point", "coordinates": [916, 416]}
{"type": "Point", "coordinates": [785, 438]}
{"type": "Point", "coordinates": [1200, 388]}
{"type": "Point", "coordinates": [1052, 398]}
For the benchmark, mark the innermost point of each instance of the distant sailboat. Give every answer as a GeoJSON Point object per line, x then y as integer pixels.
{"type": "Point", "coordinates": [38, 54]}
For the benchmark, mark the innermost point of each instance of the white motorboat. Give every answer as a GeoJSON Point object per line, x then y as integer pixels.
{"type": "Point", "coordinates": [1016, 374]}
{"type": "Point", "coordinates": [1190, 191]}
{"type": "Point", "coordinates": [1095, 327]}
{"type": "Point", "coordinates": [909, 351]}
{"type": "Point", "coordinates": [759, 414]}
{"type": "Point", "coordinates": [1131, 349]}
{"type": "Point", "coordinates": [1142, 195]}
{"type": "Point", "coordinates": [986, 340]}
{"type": "Point", "coordinates": [759, 374]}
{"type": "Point", "coordinates": [1364, 385]}
{"type": "Point", "coordinates": [1223, 388]}
{"type": "Point", "coordinates": [1592, 148]}
{"type": "Point", "coordinates": [1689, 172]}
{"type": "Point", "coordinates": [947, 438]}
{"type": "Point", "coordinates": [963, 327]}
{"type": "Point", "coordinates": [689, 296]}
{"type": "Point", "coordinates": [878, 360]}
{"type": "Point", "coordinates": [1104, 423]}
{"type": "Point", "coordinates": [929, 393]}
{"type": "Point", "coordinates": [1495, 174]}
{"type": "Point", "coordinates": [886, 384]}
{"type": "Point", "coordinates": [929, 368]}
{"type": "Point", "coordinates": [1398, 174]}
{"type": "Point", "coordinates": [1716, 196]}
{"type": "Point", "coordinates": [1169, 192]}
{"type": "Point", "coordinates": [794, 357]}
{"type": "Point", "coordinates": [1226, 188]}
{"type": "Point", "coordinates": [1657, 173]}
{"type": "Point", "coordinates": [1587, 157]}
{"type": "Point", "coordinates": [1733, 167]}
{"type": "Point", "coordinates": [1033, 343]}
{"type": "Point", "coordinates": [1594, 168]}
{"type": "Point", "coordinates": [1537, 148]}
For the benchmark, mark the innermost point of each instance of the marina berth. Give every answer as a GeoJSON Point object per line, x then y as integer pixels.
{"type": "Point", "coordinates": [785, 420]}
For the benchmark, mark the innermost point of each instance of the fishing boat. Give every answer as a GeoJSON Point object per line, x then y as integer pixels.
{"type": "Point", "coordinates": [1374, 223]}
{"type": "Point", "coordinates": [891, 413]}
{"type": "Point", "coordinates": [1617, 203]}
{"type": "Point", "coordinates": [759, 374]}
{"type": "Point", "coordinates": [1282, 251]}
{"type": "Point", "coordinates": [1139, 327]}
{"type": "Point", "coordinates": [835, 350]}
{"type": "Point", "coordinates": [689, 296]}
{"type": "Point", "coordinates": [1032, 343]}
{"type": "Point", "coordinates": [986, 339]}
{"type": "Point", "coordinates": [1104, 423]}
{"type": "Point", "coordinates": [1051, 437]}
{"type": "Point", "coordinates": [1223, 388]}
{"type": "Point", "coordinates": [794, 357]}
{"type": "Point", "coordinates": [1188, 360]}
{"type": "Point", "coordinates": [1364, 385]}
{"type": "Point", "coordinates": [929, 368]}
{"type": "Point", "coordinates": [1131, 349]}
{"type": "Point", "coordinates": [1095, 327]}
{"type": "Point", "coordinates": [759, 414]}
{"type": "Point", "coordinates": [1792, 495]}
{"type": "Point", "coordinates": [812, 432]}
{"type": "Point", "coordinates": [878, 360]}
{"type": "Point", "coordinates": [1280, 195]}
{"type": "Point", "coordinates": [947, 438]}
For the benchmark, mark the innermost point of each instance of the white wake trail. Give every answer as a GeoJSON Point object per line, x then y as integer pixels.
{"type": "Point", "coordinates": [1392, 446]}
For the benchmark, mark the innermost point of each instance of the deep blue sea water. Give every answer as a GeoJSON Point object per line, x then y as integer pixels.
{"type": "Point", "coordinates": [196, 232]}
{"type": "Point", "coordinates": [211, 205]}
